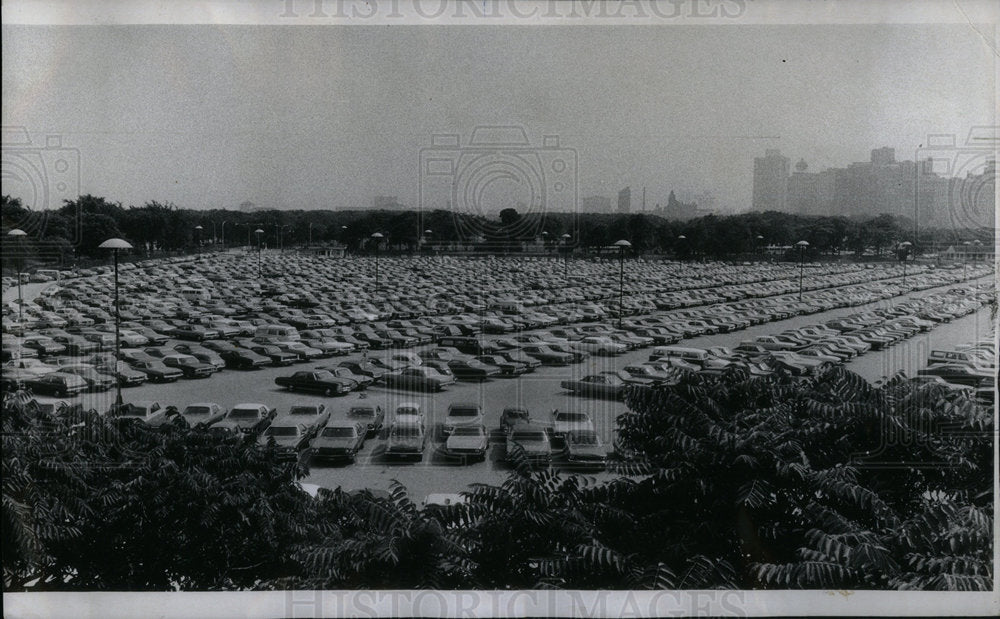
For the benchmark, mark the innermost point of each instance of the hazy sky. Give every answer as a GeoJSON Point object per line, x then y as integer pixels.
{"type": "Point", "coordinates": [318, 117]}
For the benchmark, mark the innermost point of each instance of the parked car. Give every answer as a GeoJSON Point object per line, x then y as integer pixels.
{"type": "Point", "coordinates": [314, 416]}
{"type": "Point", "coordinates": [419, 378]}
{"type": "Point", "coordinates": [250, 418]}
{"type": "Point", "coordinates": [462, 414]}
{"type": "Point", "coordinates": [289, 436]}
{"type": "Point", "coordinates": [126, 376]}
{"type": "Point", "coordinates": [147, 411]}
{"type": "Point", "coordinates": [57, 384]}
{"type": "Point", "coordinates": [96, 381]}
{"type": "Point", "coordinates": [189, 365]}
{"type": "Point", "coordinates": [467, 442]}
{"type": "Point", "coordinates": [533, 440]}
{"type": "Point", "coordinates": [340, 439]}
{"type": "Point", "coordinates": [156, 370]}
{"type": "Point", "coordinates": [596, 385]}
{"type": "Point", "coordinates": [570, 421]}
{"type": "Point", "coordinates": [277, 356]}
{"type": "Point", "coordinates": [585, 448]}
{"type": "Point", "coordinates": [361, 382]}
{"type": "Point", "coordinates": [406, 440]}
{"type": "Point", "coordinates": [192, 332]}
{"type": "Point", "coordinates": [363, 367]}
{"type": "Point", "coordinates": [472, 369]}
{"type": "Point", "coordinates": [203, 414]}
{"type": "Point", "coordinates": [513, 416]}
{"type": "Point", "coordinates": [320, 381]}
{"type": "Point", "coordinates": [244, 359]}
{"type": "Point", "coordinates": [371, 414]}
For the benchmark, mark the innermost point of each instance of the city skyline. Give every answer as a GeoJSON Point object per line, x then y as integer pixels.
{"type": "Point", "coordinates": [211, 117]}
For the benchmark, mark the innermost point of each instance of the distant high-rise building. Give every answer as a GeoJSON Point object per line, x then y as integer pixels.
{"type": "Point", "coordinates": [625, 200]}
{"type": "Point", "coordinates": [596, 204]}
{"type": "Point", "coordinates": [879, 186]}
{"type": "Point", "coordinates": [883, 156]}
{"type": "Point", "coordinates": [770, 181]}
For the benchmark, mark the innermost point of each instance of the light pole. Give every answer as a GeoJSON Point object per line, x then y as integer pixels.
{"type": "Point", "coordinates": [760, 249]}
{"type": "Point", "coordinates": [565, 238]}
{"type": "Point", "coordinates": [222, 241]}
{"type": "Point", "coordinates": [682, 241]}
{"type": "Point", "coordinates": [378, 240]}
{"type": "Point", "coordinates": [622, 245]}
{"type": "Point", "coordinates": [18, 234]}
{"type": "Point", "coordinates": [197, 238]}
{"type": "Point", "coordinates": [279, 237]}
{"type": "Point", "coordinates": [259, 232]}
{"type": "Point", "coordinates": [115, 245]}
{"type": "Point", "coordinates": [427, 235]}
{"type": "Point", "coordinates": [904, 249]}
{"type": "Point", "coordinates": [802, 258]}
{"type": "Point", "coordinates": [545, 241]}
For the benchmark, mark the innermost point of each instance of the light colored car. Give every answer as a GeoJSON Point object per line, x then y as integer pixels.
{"type": "Point", "coordinates": [406, 440]}
{"type": "Point", "coordinates": [599, 345]}
{"type": "Point", "coordinates": [462, 414]}
{"type": "Point", "coordinates": [467, 442]}
{"type": "Point", "coordinates": [203, 414]}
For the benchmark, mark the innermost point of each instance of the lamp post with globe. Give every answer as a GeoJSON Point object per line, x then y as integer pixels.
{"type": "Point", "coordinates": [802, 245]}
{"type": "Point", "coordinates": [18, 235]}
{"type": "Point", "coordinates": [904, 251]}
{"type": "Point", "coordinates": [116, 245]}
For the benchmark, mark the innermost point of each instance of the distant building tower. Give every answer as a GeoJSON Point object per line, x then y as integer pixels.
{"type": "Point", "coordinates": [801, 166]}
{"type": "Point", "coordinates": [883, 156]}
{"type": "Point", "coordinates": [770, 181]}
{"type": "Point", "coordinates": [625, 200]}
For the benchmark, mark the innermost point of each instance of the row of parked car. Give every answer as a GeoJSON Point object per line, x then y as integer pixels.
{"type": "Point", "coordinates": [206, 329]}
{"type": "Point", "coordinates": [308, 430]}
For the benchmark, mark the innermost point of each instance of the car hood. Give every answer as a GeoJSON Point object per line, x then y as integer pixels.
{"type": "Point", "coordinates": [465, 442]}
{"type": "Point", "coordinates": [593, 451]}
{"type": "Point", "coordinates": [335, 442]}
{"type": "Point", "coordinates": [280, 441]}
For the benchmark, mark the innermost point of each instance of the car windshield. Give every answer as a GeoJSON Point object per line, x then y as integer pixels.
{"type": "Point", "coordinates": [405, 432]}
{"type": "Point", "coordinates": [468, 431]}
{"type": "Point", "coordinates": [338, 432]}
{"type": "Point", "coordinates": [244, 413]}
{"type": "Point", "coordinates": [197, 410]}
{"type": "Point", "coordinates": [407, 411]}
{"type": "Point", "coordinates": [528, 437]}
{"type": "Point", "coordinates": [323, 375]}
{"type": "Point", "coordinates": [282, 431]}
{"type": "Point", "coordinates": [304, 410]}
{"type": "Point", "coordinates": [571, 417]}
{"type": "Point", "coordinates": [582, 438]}
{"type": "Point", "coordinates": [463, 412]}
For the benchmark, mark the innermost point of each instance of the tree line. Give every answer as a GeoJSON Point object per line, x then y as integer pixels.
{"type": "Point", "coordinates": [77, 228]}
{"type": "Point", "coordinates": [732, 482]}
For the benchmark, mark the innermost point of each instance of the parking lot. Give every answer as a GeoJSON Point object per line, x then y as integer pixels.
{"type": "Point", "coordinates": [540, 391]}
